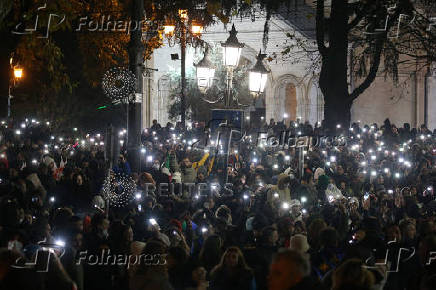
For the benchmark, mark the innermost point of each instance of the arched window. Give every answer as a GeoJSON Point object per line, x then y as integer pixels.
{"type": "Point", "coordinates": [290, 99]}
{"type": "Point", "coordinates": [164, 87]}
{"type": "Point", "coordinates": [316, 103]}
{"type": "Point", "coordinates": [287, 99]}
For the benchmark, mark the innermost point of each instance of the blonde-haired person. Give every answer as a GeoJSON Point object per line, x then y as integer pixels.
{"type": "Point", "coordinates": [299, 243]}
{"type": "Point", "coordinates": [353, 274]}
{"type": "Point", "coordinates": [232, 272]}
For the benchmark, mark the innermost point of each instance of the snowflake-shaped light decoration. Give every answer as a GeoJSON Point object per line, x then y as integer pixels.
{"type": "Point", "coordinates": [118, 189]}
{"type": "Point", "coordinates": [118, 83]}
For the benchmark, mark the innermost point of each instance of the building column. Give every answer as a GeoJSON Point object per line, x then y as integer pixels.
{"type": "Point", "coordinates": [431, 97]}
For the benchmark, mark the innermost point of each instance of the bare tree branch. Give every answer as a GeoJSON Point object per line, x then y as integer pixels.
{"type": "Point", "coordinates": [360, 14]}
{"type": "Point", "coordinates": [372, 71]}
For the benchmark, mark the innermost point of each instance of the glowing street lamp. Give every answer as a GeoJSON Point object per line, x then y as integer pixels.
{"type": "Point", "coordinates": [18, 72]}
{"type": "Point", "coordinates": [196, 29]}
{"type": "Point", "coordinates": [232, 49]}
{"type": "Point", "coordinates": [183, 14]}
{"type": "Point", "coordinates": [232, 52]}
{"type": "Point", "coordinates": [205, 72]}
{"type": "Point", "coordinates": [258, 75]}
{"type": "Point", "coordinates": [169, 29]}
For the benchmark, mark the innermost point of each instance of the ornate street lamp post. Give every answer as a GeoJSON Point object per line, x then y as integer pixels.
{"type": "Point", "coordinates": [196, 29]}
{"type": "Point", "coordinates": [232, 48]}
{"type": "Point", "coordinates": [231, 54]}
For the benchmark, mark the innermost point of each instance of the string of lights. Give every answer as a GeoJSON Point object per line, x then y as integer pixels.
{"type": "Point", "coordinates": [118, 189]}
{"type": "Point", "coordinates": [118, 83]}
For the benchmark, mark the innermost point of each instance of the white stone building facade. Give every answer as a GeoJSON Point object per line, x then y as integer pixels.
{"type": "Point", "coordinates": [292, 88]}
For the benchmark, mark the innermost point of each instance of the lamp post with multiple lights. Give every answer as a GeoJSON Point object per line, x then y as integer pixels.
{"type": "Point", "coordinates": [232, 49]}
{"type": "Point", "coordinates": [169, 30]}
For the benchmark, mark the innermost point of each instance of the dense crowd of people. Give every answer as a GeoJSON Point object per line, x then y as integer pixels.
{"type": "Point", "coordinates": [352, 212]}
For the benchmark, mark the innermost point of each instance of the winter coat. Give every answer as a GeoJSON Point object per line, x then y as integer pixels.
{"type": "Point", "coordinates": [284, 194]}
{"type": "Point", "coordinates": [174, 166]}
{"type": "Point", "coordinates": [243, 280]}
{"type": "Point", "coordinates": [123, 169]}
{"type": "Point", "coordinates": [152, 280]}
{"type": "Point", "coordinates": [189, 175]}
{"type": "Point", "coordinates": [308, 283]}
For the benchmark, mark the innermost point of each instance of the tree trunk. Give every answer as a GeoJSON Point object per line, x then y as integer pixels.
{"type": "Point", "coordinates": [333, 77]}
{"type": "Point", "coordinates": [136, 51]}
{"type": "Point", "coordinates": [336, 111]}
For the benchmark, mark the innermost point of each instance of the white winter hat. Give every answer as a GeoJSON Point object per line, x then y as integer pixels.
{"type": "Point", "coordinates": [289, 172]}
{"type": "Point", "coordinates": [294, 202]}
{"type": "Point", "coordinates": [98, 200]}
{"type": "Point", "coordinates": [318, 172]}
